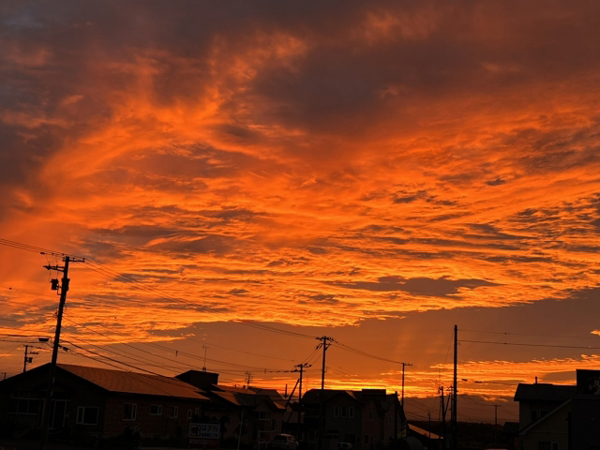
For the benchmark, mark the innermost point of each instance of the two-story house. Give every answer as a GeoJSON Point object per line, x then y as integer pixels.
{"type": "Point", "coordinates": [100, 402]}
{"type": "Point", "coordinates": [560, 417]}
{"type": "Point", "coordinates": [367, 419]}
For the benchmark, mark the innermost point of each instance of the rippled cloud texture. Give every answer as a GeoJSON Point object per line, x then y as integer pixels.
{"type": "Point", "coordinates": [308, 163]}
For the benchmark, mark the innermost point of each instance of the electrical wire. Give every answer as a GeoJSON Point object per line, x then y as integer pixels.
{"type": "Point", "coordinates": [532, 335]}
{"type": "Point", "coordinates": [189, 355]}
{"type": "Point", "coordinates": [365, 354]}
{"type": "Point", "coordinates": [265, 327]}
{"type": "Point", "coordinates": [531, 345]}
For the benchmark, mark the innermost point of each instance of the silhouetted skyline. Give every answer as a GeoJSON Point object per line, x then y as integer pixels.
{"type": "Point", "coordinates": [373, 171]}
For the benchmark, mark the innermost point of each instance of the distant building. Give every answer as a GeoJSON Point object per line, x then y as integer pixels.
{"type": "Point", "coordinates": [261, 410]}
{"type": "Point", "coordinates": [559, 417]}
{"type": "Point", "coordinates": [367, 419]}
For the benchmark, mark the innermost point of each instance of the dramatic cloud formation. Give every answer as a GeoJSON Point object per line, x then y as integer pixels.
{"type": "Point", "coordinates": [312, 164]}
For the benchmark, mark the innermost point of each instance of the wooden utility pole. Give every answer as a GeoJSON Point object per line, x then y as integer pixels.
{"type": "Point", "coordinates": [455, 391]}
{"type": "Point", "coordinates": [64, 288]}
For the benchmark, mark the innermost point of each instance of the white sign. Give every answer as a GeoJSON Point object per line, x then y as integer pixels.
{"type": "Point", "coordinates": [205, 430]}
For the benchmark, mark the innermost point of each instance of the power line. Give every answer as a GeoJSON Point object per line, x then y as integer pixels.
{"type": "Point", "coordinates": [163, 348]}
{"type": "Point", "coordinates": [32, 248]}
{"type": "Point", "coordinates": [265, 327]}
{"type": "Point", "coordinates": [532, 345]}
{"type": "Point", "coordinates": [532, 335]}
{"type": "Point", "coordinates": [365, 354]}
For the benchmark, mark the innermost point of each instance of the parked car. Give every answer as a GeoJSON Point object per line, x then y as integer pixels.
{"type": "Point", "coordinates": [344, 446]}
{"type": "Point", "coordinates": [284, 442]}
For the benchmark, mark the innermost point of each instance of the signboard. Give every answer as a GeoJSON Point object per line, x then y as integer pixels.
{"type": "Point", "coordinates": [205, 435]}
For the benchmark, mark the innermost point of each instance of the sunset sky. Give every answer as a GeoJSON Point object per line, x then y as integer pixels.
{"type": "Point", "coordinates": [372, 171]}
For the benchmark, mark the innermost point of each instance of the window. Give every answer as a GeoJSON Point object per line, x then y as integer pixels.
{"type": "Point", "coordinates": [87, 415]}
{"type": "Point", "coordinates": [174, 411]}
{"type": "Point", "coordinates": [197, 411]}
{"type": "Point", "coordinates": [155, 410]}
{"type": "Point", "coordinates": [129, 411]}
{"type": "Point", "coordinates": [344, 411]}
{"type": "Point", "coordinates": [351, 412]}
{"type": "Point", "coordinates": [332, 434]}
{"type": "Point", "coordinates": [23, 402]}
{"type": "Point", "coordinates": [336, 411]}
{"type": "Point", "coordinates": [189, 416]}
{"type": "Point", "coordinates": [366, 438]}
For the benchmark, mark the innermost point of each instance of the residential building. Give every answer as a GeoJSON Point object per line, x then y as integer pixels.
{"type": "Point", "coordinates": [256, 413]}
{"type": "Point", "coordinates": [100, 402]}
{"type": "Point", "coordinates": [367, 419]}
{"type": "Point", "coordinates": [560, 417]}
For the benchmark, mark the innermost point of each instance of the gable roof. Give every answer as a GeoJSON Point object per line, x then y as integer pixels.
{"type": "Point", "coordinates": [119, 381]}
{"type": "Point", "coordinates": [544, 392]}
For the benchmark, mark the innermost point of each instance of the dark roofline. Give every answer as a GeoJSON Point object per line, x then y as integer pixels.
{"type": "Point", "coordinates": [544, 417]}
{"type": "Point", "coordinates": [46, 367]}
{"type": "Point", "coordinates": [544, 392]}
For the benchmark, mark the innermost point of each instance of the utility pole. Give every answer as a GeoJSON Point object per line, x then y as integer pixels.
{"type": "Point", "coordinates": [396, 421]}
{"type": "Point", "coordinates": [443, 409]}
{"type": "Point", "coordinates": [326, 341]}
{"type": "Point", "coordinates": [300, 368]}
{"type": "Point", "coordinates": [204, 366]}
{"type": "Point", "coordinates": [429, 420]}
{"type": "Point", "coordinates": [455, 391]}
{"type": "Point", "coordinates": [64, 288]}
{"type": "Point", "coordinates": [28, 359]}
{"type": "Point", "coordinates": [403, 369]}
{"type": "Point", "coordinates": [496, 424]}
{"type": "Point", "coordinates": [248, 379]}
